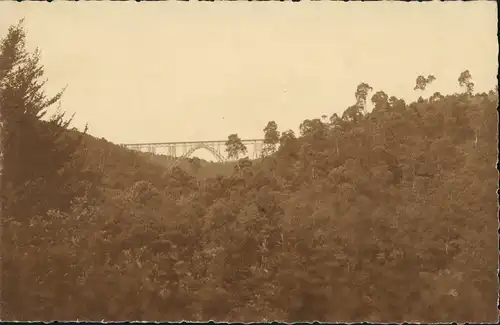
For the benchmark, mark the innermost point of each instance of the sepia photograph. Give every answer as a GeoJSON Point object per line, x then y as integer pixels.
{"type": "Point", "coordinates": [242, 161]}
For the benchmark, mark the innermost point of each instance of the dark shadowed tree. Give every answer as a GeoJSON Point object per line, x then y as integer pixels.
{"type": "Point", "coordinates": [243, 166]}
{"type": "Point", "coordinates": [352, 114]}
{"type": "Point", "coordinates": [195, 164]}
{"type": "Point", "coordinates": [397, 104]}
{"type": "Point", "coordinates": [271, 138]}
{"type": "Point", "coordinates": [235, 147]}
{"type": "Point", "coordinates": [465, 80]}
{"type": "Point", "coordinates": [381, 101]}
{"type": "Point", "coordinates": [43, 161]}
{"type": "Point", "coordinates": [312, 127]}
{"type": "Point", "coordinates": [436, 97]}
{"type": "Point", "coordinates": [335, 120]}
{"type": "Point", "coordinates": [288, 143]}
{"type": "Point", "coordinates": [422, 82]}
{"type": "Point", "coordinates": [362, 94]}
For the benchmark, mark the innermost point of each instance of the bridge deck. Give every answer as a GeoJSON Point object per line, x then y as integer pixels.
{"type": "Point", "coordinates": [189, 142]}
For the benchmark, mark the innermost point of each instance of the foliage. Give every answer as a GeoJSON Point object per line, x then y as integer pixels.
{"type": "Point", "coordinates": [465, 80]}
{"type": "Point", "coordinates": [235, 147]}
{"type": "Point", "coordinates": [43, 164]}
{"type": "Point", "coordinates": [271, 138]}
{"type": "Point", "coordinates": [422, 82]}
{"type": "Point", "coordinates": [387, 216]}
{"type": "Point", "coordinates": [361, 94]}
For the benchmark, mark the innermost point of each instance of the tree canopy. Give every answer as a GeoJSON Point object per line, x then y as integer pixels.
{"type": "Point", "coordinates": [43, 164]}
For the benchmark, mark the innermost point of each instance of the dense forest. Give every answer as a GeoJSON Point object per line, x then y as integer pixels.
{"type": "Point", "coordinates": [382, 216]}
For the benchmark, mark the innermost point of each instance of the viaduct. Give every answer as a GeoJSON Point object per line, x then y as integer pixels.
{"type": "Point", "coordinates": [185, 149]}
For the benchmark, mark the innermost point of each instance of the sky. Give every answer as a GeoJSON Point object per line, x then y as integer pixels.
{"type": "Point", "coordinates": [186, 71]}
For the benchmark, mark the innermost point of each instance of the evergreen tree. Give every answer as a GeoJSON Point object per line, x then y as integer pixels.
{"type": "Point", "coordinates": [42, 161]}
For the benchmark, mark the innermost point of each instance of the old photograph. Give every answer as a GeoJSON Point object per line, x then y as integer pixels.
{"type": "Point", "coordinates": [238, 161]}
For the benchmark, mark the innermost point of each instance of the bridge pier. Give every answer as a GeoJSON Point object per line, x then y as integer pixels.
{"type": "Point", "coordinates": [171, 151]}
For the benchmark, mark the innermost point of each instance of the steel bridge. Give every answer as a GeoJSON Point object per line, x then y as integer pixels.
{"type": "Point", "coordinates": [185, 149]}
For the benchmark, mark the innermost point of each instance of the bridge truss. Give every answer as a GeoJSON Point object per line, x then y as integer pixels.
{"type": "Point", "coordinates": [185, 149]}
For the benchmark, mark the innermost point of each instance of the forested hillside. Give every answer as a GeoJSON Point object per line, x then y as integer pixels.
{"type": "Point", "coordinates": [381, 216]}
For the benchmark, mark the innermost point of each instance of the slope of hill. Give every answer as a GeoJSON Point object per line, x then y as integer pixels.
{"type": "Point", "coordinates": [122, 167]}
{"type": "Point", "coordinates": [388, 217]}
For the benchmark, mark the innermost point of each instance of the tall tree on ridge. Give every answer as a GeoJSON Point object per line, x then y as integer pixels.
{"type": "Point", "coordinates": [465, 80]}
{"type": "Point", "coordinates": [235, 147]}
{"type": "Point", "coordinates": [42, 161]}
{"type": "Point", "coordinates": [271, 138]}
{"type": "Point", "coordinates": [362, 94]}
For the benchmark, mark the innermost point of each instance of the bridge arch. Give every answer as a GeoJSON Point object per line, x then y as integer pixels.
{"type": "Point", "coordinates": [209, 148]}
{"type": "Point", "coordinates": [188, 147]}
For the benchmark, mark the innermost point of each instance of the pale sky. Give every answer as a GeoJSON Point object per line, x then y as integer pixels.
{"type": "Point", "coordinates": [182, 71]}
